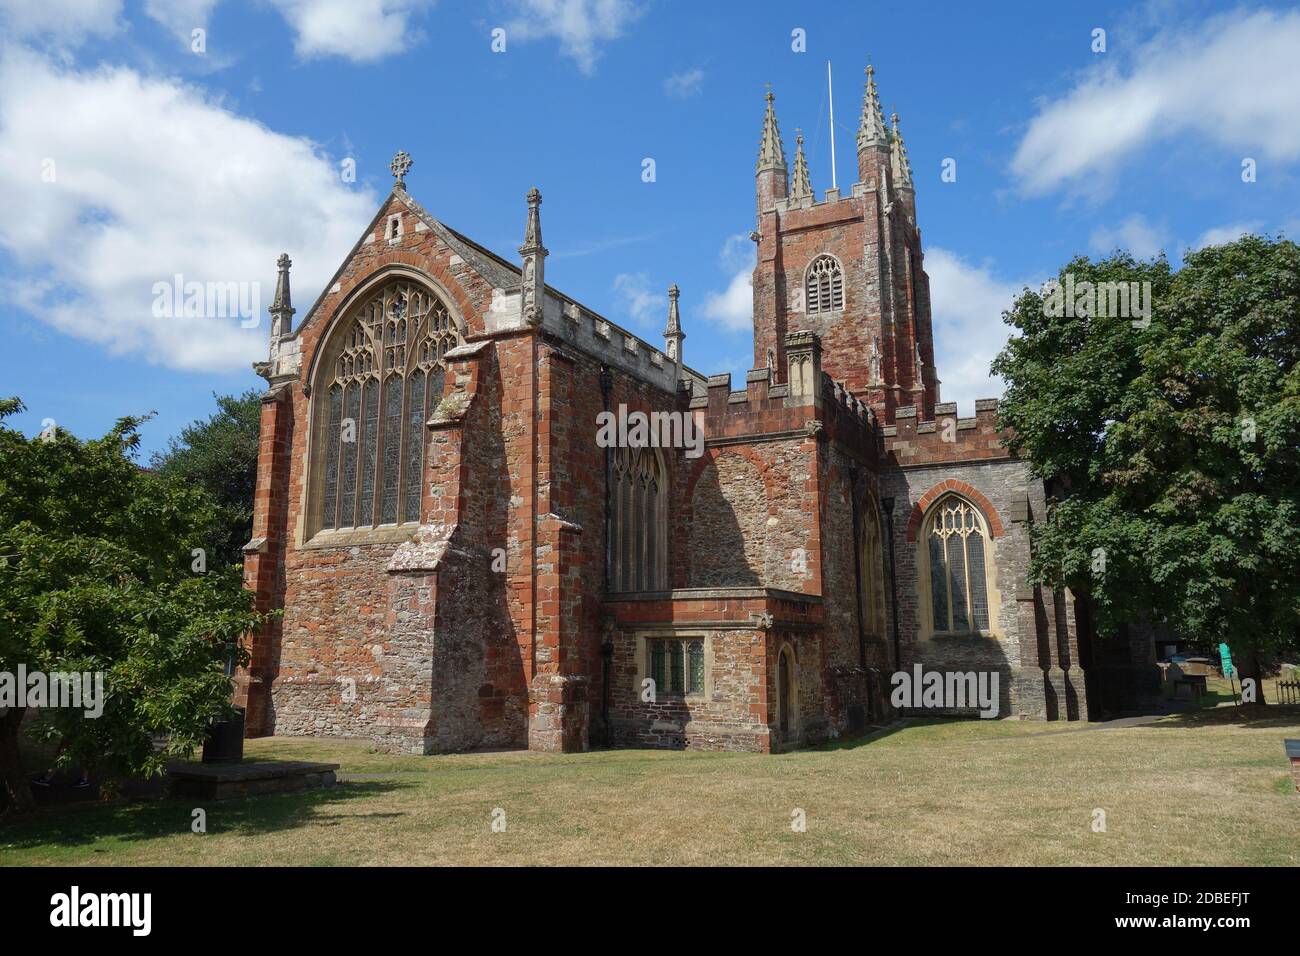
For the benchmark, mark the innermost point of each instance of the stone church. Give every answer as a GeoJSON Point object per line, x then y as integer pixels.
{"type": "Point", "coordinates": [462, 564]}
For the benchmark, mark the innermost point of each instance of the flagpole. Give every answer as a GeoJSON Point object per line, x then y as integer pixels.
{"type": "Point", "coordinates": [830, 93]}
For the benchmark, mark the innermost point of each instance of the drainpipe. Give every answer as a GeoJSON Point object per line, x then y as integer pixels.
{"type": "Point", "coordinates": [857, 564]}
{"type": "Point", "coordinates": [888, 505]}
{"type": "Point", "coordinates": [607, 644]}
{"type": "Point", "coordinates": [606, 385]}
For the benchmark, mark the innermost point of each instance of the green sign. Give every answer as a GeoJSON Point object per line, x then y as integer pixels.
{"type": "Point", "coordinates": [1226, 657]}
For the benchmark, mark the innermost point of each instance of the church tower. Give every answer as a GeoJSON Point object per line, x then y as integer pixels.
{"type": "Point", "coordinates": [848, 268]}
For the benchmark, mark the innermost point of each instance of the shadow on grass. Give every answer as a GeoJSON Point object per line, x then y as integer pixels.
{"type": "Point", "coordinates": [853, 743]}
{"type": "Point", "coordinates": [249, 816]}
{"type": "Point", "coordinates": [1246, 715]}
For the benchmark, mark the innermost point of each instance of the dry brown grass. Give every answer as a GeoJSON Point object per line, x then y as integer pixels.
{"type": "Point", "coordinates": [1206, 789]}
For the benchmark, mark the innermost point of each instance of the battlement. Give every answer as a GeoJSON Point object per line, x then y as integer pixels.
{"type": "Point", "coordinates": [948, 437]}
{"type": "Point", "coordinates": [763, 407]}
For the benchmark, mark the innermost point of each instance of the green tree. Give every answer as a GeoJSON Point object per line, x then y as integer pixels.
{"type": "Point", "coordinates": [1173, 447]}
{"type": "Point", "coordinates": [99, 573]}
{"type": "Point", "coordinates": [220, 456]}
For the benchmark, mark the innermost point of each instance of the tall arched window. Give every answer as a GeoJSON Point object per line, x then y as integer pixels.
{"type": "Point", "coordinates": [374, 398]}
{"type": "Point", "coordinates": [956, 537]}
{"type": "Point", "coordinates": [824, 285]}
{"type": "Point", "coordinates": [871, 585]}
{"type": "Point", "coordinates": [638, 542]}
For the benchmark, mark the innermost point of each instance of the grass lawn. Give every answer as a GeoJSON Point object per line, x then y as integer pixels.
{"type": "Point", "coordinates": [1204, 788]}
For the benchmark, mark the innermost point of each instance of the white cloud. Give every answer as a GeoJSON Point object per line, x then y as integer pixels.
{"type": "Point", "coordinates": [1134, 234]}
{"type": "Point", "coordinates": [733, 308]}
{"type": "Point", "coordinates": [685, 84]}
{"type": "Point", "coordinates": [967, 302]}
{"type": "Point", "coordinates": [181, 17]}
{"type": "Point", "coordinates": [1234, 80]}
{"type": "Point", "coordinates": [358, 30]}
{"type": "Point", "coordinates": [152, 178]}
{"type": "Point", "coordinates": [579, 25]}
{"type": "Point", "coordinates": [64, 21]}
{"type": "Point", "coordinates": [638, 301]}
{"type": "Point", "coordinates": [1224, 234]}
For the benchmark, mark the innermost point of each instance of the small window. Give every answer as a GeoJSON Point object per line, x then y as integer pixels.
{"type": "Point", "coordinates": [825, 286]}
{"type": "Point", "coordinates": [394, 227]}
{"type": "Point", "coordinates": [677, 667]}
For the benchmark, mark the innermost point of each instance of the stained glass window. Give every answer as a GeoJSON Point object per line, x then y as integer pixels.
{"type": "Point", "coordinates": [696, 670]}
{"type": "Point", "coordinates": [386, 376]}
{"type": "Point", "coordinates": [639, 561]}
{"type": "Point", "coordinates": [677, 666]}
{"type": "Point", "coordinates": [392, 456]}
{"type": "Point", "coordinates": [958, 585]}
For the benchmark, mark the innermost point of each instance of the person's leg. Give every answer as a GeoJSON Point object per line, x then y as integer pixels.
{"type": "Point", "coordinates": [48, 778]}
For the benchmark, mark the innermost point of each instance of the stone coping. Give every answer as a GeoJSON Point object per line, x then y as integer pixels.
{"type": "Point", "coordinates": [246, 770]}
{"type": "Point", "coordinates": [706, 594]}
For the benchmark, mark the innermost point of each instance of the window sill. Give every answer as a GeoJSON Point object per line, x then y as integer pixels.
{"type": "Point", "coordinates": [962, 636]}
{"type": "Point", "coordinates": [355, 537]}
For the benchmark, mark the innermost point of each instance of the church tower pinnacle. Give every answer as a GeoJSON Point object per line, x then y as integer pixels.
{"type": "Point", "coordinates": [802, 188]}
{"type": "Point", "coordinates": [772, 180]}
{"type": "Point", "coordinates": [873, 140]}
{"type": "Point", "coordinates": [902, 170]}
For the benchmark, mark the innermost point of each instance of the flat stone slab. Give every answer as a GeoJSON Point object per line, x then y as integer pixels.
{"type": "Point", "coordinates": [248, 778]}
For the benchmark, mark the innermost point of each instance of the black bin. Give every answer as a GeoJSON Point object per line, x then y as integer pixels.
{"type": "Point", "coordinates": [225, 743]}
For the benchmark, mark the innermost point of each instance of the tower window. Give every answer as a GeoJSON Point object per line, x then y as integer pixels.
{"type": "Point", "coordinates": [824, 286]}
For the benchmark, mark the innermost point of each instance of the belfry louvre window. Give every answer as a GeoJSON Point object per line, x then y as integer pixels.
{"type": "Point", "coordinates": [956, 538]}
{"type": "Point", "coordinates": [825, 285]}
{"type": "Point", "coordinates": [677, 667]}
{"type": "Point", "coordinates": [638, 539]}
{"type": "Point", "coordinates": [379, 393]}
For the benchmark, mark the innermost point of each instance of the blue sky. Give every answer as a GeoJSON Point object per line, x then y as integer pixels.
{"type": "Point", "coordinates": [128, 157]}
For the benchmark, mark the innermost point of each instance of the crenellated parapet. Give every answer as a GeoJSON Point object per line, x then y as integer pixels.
{"type": "Point", "coordinates": [948, 437]}
{"type": "Point", "coordinates": [810, 402]}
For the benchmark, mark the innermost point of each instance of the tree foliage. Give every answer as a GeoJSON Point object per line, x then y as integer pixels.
{"type": "Point", "coordinates": [1174, 448]}
{"type": "Point", "coordinates": [219, 455]}
{"type": "Point", "coordinates": [98, 574]}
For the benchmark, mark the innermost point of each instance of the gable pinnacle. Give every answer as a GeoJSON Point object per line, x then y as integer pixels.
{"type": "Point", "coordinates": [281, 302]}
{"type": "Point", "coordinates": [533, 229]}
{"type": "Point", "coordinates": [771, 154]}
{"type": "Point", "coordinates": [674, 314]}
{"type": "Point", "coordinates": [802, 188]}
{"type": "Point", "coordinates": [400, 166]}
{"type": "Point", "coordinates": [898, 155]}
{"type": "Point", "coordinates": [871, 128]}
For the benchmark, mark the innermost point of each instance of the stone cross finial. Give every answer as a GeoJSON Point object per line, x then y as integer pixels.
{"type": "Point", "coordinates": [400, 165]}
{"type": "Point", "coordinates": [284, 262]}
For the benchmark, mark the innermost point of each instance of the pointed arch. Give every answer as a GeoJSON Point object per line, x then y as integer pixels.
{"type": "Point", "coordinates": [955, 556]}
{"type": "Point", "coordinates": [639, 532]}
{"type": "Point", "coordinates": [823, 285]}
{"type": "Point", "coordinates": [372, 396]}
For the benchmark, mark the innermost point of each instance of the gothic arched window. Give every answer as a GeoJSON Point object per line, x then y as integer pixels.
{"type": "Point", "coordinates": [955, 539]}
{"type": "Point", "coordinates": [638, 541]}
{"type": "Point", "coordinates": [871, 578]}
{"type": "Point", "coordinates": [824, 285]}
{"type": "Point", "coordinates": [375, 397]}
